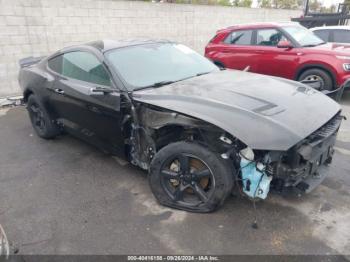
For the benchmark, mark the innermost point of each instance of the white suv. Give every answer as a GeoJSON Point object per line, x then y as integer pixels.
{"type": "Point", "coordinates": [337, 34]}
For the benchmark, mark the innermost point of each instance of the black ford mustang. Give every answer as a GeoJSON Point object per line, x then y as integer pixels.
{"type": "Point", "coordinates": [195, 128]}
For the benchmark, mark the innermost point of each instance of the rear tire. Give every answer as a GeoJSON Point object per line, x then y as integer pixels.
{"type": "Point", "coordinates": [320, 75]}
{"type": "Point", "coordinates": [43, 124]}
{"type": "Point", "coordinates": [188, 176]}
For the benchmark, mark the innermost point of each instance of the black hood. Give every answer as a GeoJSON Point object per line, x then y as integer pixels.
{"type": "Point", "coordinates": [263, 112]}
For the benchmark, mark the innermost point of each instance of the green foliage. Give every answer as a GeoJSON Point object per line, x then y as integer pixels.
{"type": "Point", "coordinates": [281, 4]}
{"type": "Point", "coordinates": [201, 2]}
{"type": "Point", "coordinates": [245, 3]}
{"type": "Point", "coordinates": [265, 3]}
{"type": "Point", "coordinates": [287, 4]}
{"type": "Point", "coordinates": [242, 3]}
{"type": "Point", "coordinates": [314, 5]}
{"type": "Point", "coordinates": [224, 2]}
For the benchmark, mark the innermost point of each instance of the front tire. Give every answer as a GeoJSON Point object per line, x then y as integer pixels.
{"type": "Point", "coordinates": [316, 74]}
{"type": "Point", "coordinates": [42, 123]}
{"type": "Point", "coordinates": [190, 177]}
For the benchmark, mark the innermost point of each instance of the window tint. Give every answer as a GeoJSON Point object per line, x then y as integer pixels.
{"type": "Point", "coordinates": [342, 36]}
{"type": "Point", "coordinates": [55, 64]}
{"type": "Point", "coordinates": [85, 67]}
{"type": "Point", "coordinates": [242, 37]}
{"type": "Point", "coordinates": [269, 37]}
{"type": "Point", "coordinates": [323, 34]}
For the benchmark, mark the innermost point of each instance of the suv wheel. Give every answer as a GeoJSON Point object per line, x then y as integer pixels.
{"type": "Point", "coordinates": [320, 75]}
{"type": "Point", "coordinates": [43, 125]}
{"type": "Point", "coordinates": [188, 176]}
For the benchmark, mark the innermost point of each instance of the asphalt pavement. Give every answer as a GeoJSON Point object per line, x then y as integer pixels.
{"type": "Point", "coordinates": [64, 196]}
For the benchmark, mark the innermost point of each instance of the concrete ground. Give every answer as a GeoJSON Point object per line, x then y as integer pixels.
{"type": "Point", "coordinates": [65, 197]}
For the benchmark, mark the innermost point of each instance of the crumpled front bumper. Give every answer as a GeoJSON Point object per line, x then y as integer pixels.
{"type": "Point", "coordinates": [309, 183]}
{"type": "Point", "coordinates": [306, 165]}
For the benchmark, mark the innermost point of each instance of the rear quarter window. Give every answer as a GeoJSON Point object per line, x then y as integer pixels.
{"type": "Point", "coordinates": [55, 64]}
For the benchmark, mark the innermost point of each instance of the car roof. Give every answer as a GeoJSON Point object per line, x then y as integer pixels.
{"type": "Point", "coordinates": [257, 25]}
{"type": "Point", "coordinates": [345, 27]}
{"type": "Point", "coordinates": [107, 44]}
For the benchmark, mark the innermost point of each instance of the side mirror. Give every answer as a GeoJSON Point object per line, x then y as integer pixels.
{"type": "Point", "coordinates": [285, 44]}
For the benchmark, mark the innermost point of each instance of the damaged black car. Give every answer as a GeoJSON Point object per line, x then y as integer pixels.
{"type": "Point", "coordinates": [196, 129]}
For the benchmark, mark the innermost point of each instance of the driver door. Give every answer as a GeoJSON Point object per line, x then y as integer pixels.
{"type": "Point", "coordinates": [273, 60]}
{"type": "Point", "coordinates": [81, 106]}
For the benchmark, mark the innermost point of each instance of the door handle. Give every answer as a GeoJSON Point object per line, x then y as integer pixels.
{"type": "Point", "coordinates": [259, 51]}
{"type": "Point", "coordinates": [59, 91]}
{"type": "Point", "coordinates": [100, 90]}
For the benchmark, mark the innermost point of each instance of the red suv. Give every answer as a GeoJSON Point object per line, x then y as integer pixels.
{"type": "Point", "coordinates": [285, 50]}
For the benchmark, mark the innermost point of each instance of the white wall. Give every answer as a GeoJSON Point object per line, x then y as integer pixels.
{"type": "Point", "coordinates": [38, 27]}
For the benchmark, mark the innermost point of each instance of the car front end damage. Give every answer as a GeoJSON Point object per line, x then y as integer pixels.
{"type": "Point", "coordinates": [274, 133]}
{"type": "Point", "coordinates": [302, 167]}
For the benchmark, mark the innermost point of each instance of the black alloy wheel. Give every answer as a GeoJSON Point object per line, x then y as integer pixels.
{"type": "Point", "coordinates": [42, 123]}
{"type": "Point", "coordinates": [190, 177]}
{"type": "Point", "coordinates": [187, 180]}
{"type": "Point", "coordinates": [37, 116]}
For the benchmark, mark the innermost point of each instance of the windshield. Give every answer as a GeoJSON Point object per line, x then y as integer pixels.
{"type": "Point", "coordinates": [153, 64]}
{"type": "Point", "coordinates": [303, 36]}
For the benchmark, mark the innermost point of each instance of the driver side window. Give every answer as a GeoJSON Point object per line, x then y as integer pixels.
{"type": "Point", "coordinates": [269, 37]}
{"type": "Point", "coordinates": [82, 66]}
{"type": "Point", "coordinates": [85, 67]}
